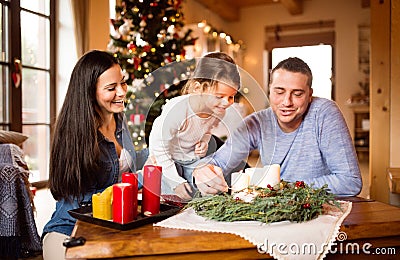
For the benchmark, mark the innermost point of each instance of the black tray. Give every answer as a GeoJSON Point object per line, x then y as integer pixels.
{"type": "Point", "coordinates": [85, 214]}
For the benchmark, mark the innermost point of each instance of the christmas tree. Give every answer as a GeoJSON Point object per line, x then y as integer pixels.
{"type": "Point", "coordinates": [147, 35]}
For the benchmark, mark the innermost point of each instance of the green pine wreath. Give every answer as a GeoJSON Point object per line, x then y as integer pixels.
{"type": "Point", "coordinates": [296, 202]}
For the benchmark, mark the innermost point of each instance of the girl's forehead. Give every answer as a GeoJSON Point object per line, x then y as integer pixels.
{"type": "Point", "coordinates": [221, 87]}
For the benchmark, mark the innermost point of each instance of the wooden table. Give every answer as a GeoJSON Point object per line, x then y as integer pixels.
{"type": "Point", "coordinates": [369, 222]}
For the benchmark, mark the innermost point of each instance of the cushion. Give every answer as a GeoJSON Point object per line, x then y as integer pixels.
{"type": "Point", "coordinates": [11, 137]}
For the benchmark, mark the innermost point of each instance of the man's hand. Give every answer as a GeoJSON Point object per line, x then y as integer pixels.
{"type": "Point", "coordinates": [184, 190]}
{"type": "Point", "coordinates": [210, 179]}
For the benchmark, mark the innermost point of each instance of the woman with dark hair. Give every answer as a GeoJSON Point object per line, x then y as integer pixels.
{"type": "Point", "coordinates": [91, 145]}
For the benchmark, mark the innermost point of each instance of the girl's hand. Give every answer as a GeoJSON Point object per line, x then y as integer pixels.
{"type": "Point", "coordinates": [201, 148]}
{"type": "Point", "coordinates": [183, 190]}
{"type": "Point", "coordinates": [151, 160]}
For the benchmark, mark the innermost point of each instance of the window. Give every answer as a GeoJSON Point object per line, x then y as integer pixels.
{"type": "Point", "coordinates": [313, 42]}
{"type": "Point", "coordinates": [318, 58]}
{"type": "Point", "coordinates": [5, 64]}
{"type": "Point", "coordinates": [27, 105]}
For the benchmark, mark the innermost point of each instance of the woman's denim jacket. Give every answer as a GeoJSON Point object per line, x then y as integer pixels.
{"type": "Point", "coordinates": [61, 221]}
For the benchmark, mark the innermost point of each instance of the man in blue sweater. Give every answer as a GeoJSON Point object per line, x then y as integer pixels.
{"type": "Point", "coordinates": [307, 136]}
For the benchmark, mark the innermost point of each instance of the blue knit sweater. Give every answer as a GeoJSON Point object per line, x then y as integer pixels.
{"type": "Point", "coordinates": [319, 152]}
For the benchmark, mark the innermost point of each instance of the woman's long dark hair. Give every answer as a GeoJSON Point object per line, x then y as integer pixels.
{"type": "Point", "coordinates": [74, 150]}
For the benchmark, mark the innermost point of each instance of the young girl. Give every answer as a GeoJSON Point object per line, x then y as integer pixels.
{"type": "Point", "coordinates": [181, 134]}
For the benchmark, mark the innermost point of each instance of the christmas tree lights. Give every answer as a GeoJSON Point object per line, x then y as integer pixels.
{"type": "Point", "coordinates": [144, 36]}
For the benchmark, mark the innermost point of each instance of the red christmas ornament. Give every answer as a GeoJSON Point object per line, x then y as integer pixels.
{"type": "Point", "coordinates": [137, 119]}
{"type": "Point", "coordinates": [154, 4]}
{"type": "Point", "coordinates": [146, 48]}
{"type": "Point", "coordinates": [16, 74]}
{"type": "Point", "coordinates": [300, 184]}
{"type": "Point", "coordinates": [183, 52]}
{"type": "Point", "coordinates": [306, 206]}
{"type": "Point", "coordinates": [270, 187]}
{"type": "Point", "coordinates": [169, 59]}
{"type": "Point", "coordinates": [131, 46]}
{"type": "Point", "coordinates": [165, 93]}
{"type": "Point", "coordinates": [162, 87]}
{"type": "Point", "coordinates": [136, 62]}
{"type": "Point", "coordinates": [177, 4]}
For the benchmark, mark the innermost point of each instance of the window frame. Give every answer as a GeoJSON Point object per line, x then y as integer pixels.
{"type": "Point", "coordinates": [13, 111]}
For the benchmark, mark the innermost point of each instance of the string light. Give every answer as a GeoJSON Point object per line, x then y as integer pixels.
{"type": "Point", "coordinates": [202, 24]}
{"type": "Point", "coordinates": [213, 32]}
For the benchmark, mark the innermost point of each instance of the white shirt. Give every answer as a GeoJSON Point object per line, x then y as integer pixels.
{"type": "Point", "coordinates": [124, 161]}
{"type": "Point", "coordinates": [175, 133]}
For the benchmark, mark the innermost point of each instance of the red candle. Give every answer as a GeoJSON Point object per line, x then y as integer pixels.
{"type": "Point", "coordinates": [132, 178]}
{"type": "Point", "coordinates": [122, 203]}
{"type": "Point", "coordinates": [151, 189]}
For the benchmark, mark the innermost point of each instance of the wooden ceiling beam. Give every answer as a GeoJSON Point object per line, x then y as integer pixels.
{"type": "Point", "coordinates": [229, 10]}
{"type": "Point", "coordinates": [294, 7]}
{"type": "Point", "coordinates": [224, 8]}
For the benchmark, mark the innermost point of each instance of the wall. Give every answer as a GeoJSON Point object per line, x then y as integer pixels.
{"type": "Point", "coordinates": [380, 99]}
{"type": "Point", "coordinates": [194, 13]}
{"type": "Point", "coordinates": [395, 94]}
{"type": "Point", "coordinates": [66, 47]}
{"type": "Point", "coordinates": [347, 16]}
{"type": "Point", "coordinates": [99, 29]}
{"type": "Point", "coordinates": [385, 93]}
{"type": "Point", "coordinates": [66, 50]}
{"type": "Point", "coordinates": [395, 90]}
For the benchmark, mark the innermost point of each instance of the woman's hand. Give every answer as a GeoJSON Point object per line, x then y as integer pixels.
{"type": "Point", "coordinates": [184, 190]}
{"type": "Point", "coordinates": [201, 149]}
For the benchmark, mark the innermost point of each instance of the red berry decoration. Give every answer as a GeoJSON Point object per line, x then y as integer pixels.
{"type": "Point", "coordinates": [300, 184]}
{"type": "Point", "coordinates": [306, 206]}
{"type": "Point", "coordinates": [237, 198]}
{"type": "Point", "coordinates": [270, 187]}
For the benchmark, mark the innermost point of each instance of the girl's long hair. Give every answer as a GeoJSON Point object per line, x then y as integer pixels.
{"type": "Point", "coordinates": [75, 150]}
